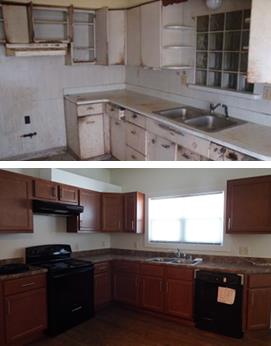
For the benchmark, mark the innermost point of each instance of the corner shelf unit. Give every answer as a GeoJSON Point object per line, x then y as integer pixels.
{"type": "Point", "coordinates": [177, 37]}
{"type": "Point", "coordinates": [222, 51]}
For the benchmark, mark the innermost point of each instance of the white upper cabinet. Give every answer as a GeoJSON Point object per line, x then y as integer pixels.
{"type": "Point", "coordinates": [134, 37]}
{"type": "Point", "coordinates": [259, 66]}
{"type": "Point", "coordinates": [151, 16]}
{"type": "Point", "coordinates": [110, 37]}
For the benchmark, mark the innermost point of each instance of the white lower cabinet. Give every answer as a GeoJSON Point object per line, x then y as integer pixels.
{"type": "Point", "coordinates": [91, 135]}
{"type": "Point", "coordinates": [136, 138]}
{"type": "Point", "coordinates": [160, 149]}
{"type": "Point", "coordinates": [118, 142]}
{"type": "Point", "coordinates": [133, 155]}
{"type": "Point", "coordinates": [185, 154]}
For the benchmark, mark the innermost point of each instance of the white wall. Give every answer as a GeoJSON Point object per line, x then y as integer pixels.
{"type": "Point", "coordinates": [35, 86]}
{"type": "Point", "coordinates": [184, 181]}
{"type": "Point", "coordinates": [168, 84]}
{"type": "Point", "coordinates": [52, 229]}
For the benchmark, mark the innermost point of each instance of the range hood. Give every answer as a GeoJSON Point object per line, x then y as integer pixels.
{"type": "Point", "coordinates": [41, 207]}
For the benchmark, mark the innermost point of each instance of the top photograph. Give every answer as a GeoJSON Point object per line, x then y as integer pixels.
{"type": "Point", "coordinates": [135, 80]}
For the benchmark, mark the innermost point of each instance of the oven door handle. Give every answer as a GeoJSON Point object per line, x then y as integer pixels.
{"type": "Point", "coordinates": [76, 271]}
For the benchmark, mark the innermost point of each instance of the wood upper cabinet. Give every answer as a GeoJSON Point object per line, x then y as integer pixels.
{"type": "Point", "coordinates": [102, 284]}
{"type": "Point", "coordinates": [44, 189]}
{"type": "Point", "coordinates": [134, 211]}
{"type": "Point", "coordinates": [90, 219]}
{"type": "Point", "coordinates": [259, 68]}
{"type": "Point", "coordinates": [68, 194]}
{"type": "Point", "coordinates": [112, 212]}
{"type": "Point", "coordinates": [179, 292]}
{"type": "Point", "coordinates": [249, 205]}
{"type": "Point", "coordinates": [15, 203]}
{"type": "Point", "coordinates": [259, 302]}
{"type": "Point", "coordinates": [151, 19]}
{"type": "Point", "coordinates": [31, 303]}
{"type": "Point", "coordinates": [1, 316]}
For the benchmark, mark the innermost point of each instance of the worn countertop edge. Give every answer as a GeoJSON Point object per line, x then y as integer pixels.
{"type": "Point", "coordinates": [174, 125]}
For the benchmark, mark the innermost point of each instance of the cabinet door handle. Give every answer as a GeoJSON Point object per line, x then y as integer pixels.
{"type": "Point", "coordinates": [116, 123]}
{"type": "Point", "coordinates": [165, 146]}
{"type": "Point", "coordinates": [161, 286]}
{"type": "Point", "coordinates": [119, 224]}
{"type": "Point", "coordinates": [8, 307]}
{"type": "Point", "coordinates": [133, 224]}
{"type": "Point", "coordinates": [229, 223]}
{"type": "Point", "coordinates": [89, 122]}
{"type": "Point", "coordinates": [133, 157]}
{"type": "Point", "coordinates": [28, 284]}
{"type": "Point", "coordinates": [153, 141]}
{"type": "Point", "coordinates": [173, 131]}
{"type": "Point", "coordinates": [134, 116]}
{"type": "Point", "coordinates": [90, 108]}
{"type": "Point", "coordinates": [77, 309]}
{"type": "Point", "coordinates": [252, 299]}
{"type": "Point", "coordinates": [133, 132]}
{"type": "Point", "coordinates": [60, 193]}
{"type": "Point", "coordinates": [167, 287]}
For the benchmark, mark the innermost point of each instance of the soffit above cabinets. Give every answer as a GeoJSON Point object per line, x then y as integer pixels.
{"type": "Point", "coordinates": [93, 4]}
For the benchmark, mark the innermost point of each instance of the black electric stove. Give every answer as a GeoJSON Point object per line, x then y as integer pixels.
{"type": "Point", "coordinates": [69, 285]}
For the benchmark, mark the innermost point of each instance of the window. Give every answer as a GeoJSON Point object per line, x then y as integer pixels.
{"type": "Point", "coordinates": [196, 219]}
{"type": "Point", "coordinates": [222, 51]}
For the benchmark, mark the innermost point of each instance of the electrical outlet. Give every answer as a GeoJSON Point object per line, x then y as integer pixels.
{"type": "Point", "coordinates": [27, 119]}
{"type": "Point", "coordinates": [243, 250]}
{"type": "Point", "coordinates": [267, 92]}
{"type": "Point", "coordinates": [184, 78]}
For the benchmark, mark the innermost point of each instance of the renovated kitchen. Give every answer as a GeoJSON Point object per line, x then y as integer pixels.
{"type": "Point", "coordinates": [135, 80]}
{"type": "Point", "coordinates": [123, 256]}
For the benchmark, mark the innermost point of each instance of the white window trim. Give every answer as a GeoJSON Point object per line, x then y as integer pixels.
{"type": "Point", "coordinates": [193, 248]}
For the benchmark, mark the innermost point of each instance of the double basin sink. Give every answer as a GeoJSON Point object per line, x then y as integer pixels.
{"type": "Point", "coordinates": [196, 118]}
{"type": "Point", "coordinates": [175, 260]}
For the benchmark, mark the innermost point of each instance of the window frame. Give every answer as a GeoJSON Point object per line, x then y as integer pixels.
{"type": "Point", "coordinates": [193, 247]}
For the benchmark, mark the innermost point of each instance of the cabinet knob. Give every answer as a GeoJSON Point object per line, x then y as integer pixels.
{"type": "Point", "coordinates": [90, 108]}
{"type": "Point", "coordinates": [165, 146]}
{"type": "Point", "coordinates": [153, 141]}
{"type": "Point", "coordinates": [89, 122]}
{"type": "Point", "coordinates": [133, 132]}
{"type": "Point", "coordinates": [134, 116]}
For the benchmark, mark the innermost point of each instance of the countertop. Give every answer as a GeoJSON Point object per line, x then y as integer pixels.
{"type": "Point", "coordinates": [32, 271]}
{"type": "Point", "coordinates": [249, 138]}
{"type": "Point", "coordinates": [244, 268]}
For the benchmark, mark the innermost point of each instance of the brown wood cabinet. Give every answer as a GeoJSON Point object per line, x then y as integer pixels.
{"type": "Point", "coordinates": [55, 192]}
{"type": "Point", "coordinates": [15, 203]}
{"type": "Point", "coordinates": [2, 336]}
{"type": "Point", "coordinates": [126, 282]}
{"type": "Point", "coordinates": [259, 302]}
{"type": "Point", "coordinates": [90, 219]}
{"type": "Point", "coordinates": [102, 284]}
{"type": "Point", "coordinates": [249, 205]}
{"type": "Point", "coordinates": [179, 292]}
{"type": "Point", "coordinates": [112, 212]}
{"type": "Point", "coordinates": [25, 308]}
{"type": "Point", "coordinates": [134, 211]}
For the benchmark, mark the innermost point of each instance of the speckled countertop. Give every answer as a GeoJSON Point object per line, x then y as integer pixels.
{"type": "Point", "coordinates": [241, 268]}
{"type": "Point", "coordinates": [249, 138]}
{"type": "Point", "coordinates": [30, 272]}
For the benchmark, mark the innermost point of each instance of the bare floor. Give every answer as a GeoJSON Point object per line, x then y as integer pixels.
{"type": "Point", "coordinates": [116, 326]}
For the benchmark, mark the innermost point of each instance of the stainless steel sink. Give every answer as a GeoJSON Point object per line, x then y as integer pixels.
{"type": "Point", "coordinates": [180, 114]}
{"type": "Point", "coordinates": [212, 123]}
{"type": "Point", "coordinates": [175, 260]}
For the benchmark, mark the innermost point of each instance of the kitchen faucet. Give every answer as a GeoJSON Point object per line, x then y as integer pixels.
{"type": "Point", "coordinates": [226, 111]}
{"type": "Point", "coordinates": [179, 254]}
{"type": "Point", "coordinates": [213, 107]}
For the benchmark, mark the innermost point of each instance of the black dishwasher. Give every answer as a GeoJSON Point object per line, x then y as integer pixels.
{"type": "Point", "coordinates": [212, 314]}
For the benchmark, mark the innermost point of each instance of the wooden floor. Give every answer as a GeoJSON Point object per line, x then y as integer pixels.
{"type": "Point", "coordinates": [116, 326]}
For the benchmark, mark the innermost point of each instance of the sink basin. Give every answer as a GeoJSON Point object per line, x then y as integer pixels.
{"type": "Point", "coordinates": [180, 114]}
{"type": "Point", "coordinates": [175, 260]}
{"type": "Point", "coordinates": [212, 123]}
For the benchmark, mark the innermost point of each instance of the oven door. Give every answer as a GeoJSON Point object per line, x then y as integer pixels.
{"type": "Point", "coordinates": [70, 299]}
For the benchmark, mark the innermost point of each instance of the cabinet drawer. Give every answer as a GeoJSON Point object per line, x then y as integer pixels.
{"type": "Point", "coordinates": [187, 155]}
{"type": "Point", "coordinates": [91, 135]}
{"type": "Point", "coordinates": [164, 131]}
{"type": "Point", "coordinates": [89, 109]}
{"type": "Point", "coordinates": [161, 149]}
{"type": "Point", "coordinates": [24, 284]}
{"type": "Point", "coordinates": [179, 273]}
{"type": "Point", "coordinates": [195, 144]}
{"type": "Point", "coordinates": [133, 155]}
{"type": "Point", "coordinates": [136, 138]}
{"type": "Point", "coordinates": [152, 270]}
{"type": "Point", "coordinates": [126, 266]}
{"type": "Point", "coordinates": [101, 267]}
{"type": "Point", "coordinates": [115, 112]}
{"type": "Point", "coordinates": [259, 281]}
{"type": "Point", "coordinates": [135, 118]}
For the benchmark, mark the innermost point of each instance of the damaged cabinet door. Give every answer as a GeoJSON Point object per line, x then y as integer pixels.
{"type": "Point", "coordinates": [110, 37]}
{"type": "Point", "coordinates": [259, 66]}
{"type": "Point", "coordinates": [16, 23]}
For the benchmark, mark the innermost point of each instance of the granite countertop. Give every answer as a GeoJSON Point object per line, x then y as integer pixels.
{"type": "Point", "coordinates": [32, 270]}
{"type": "Point", "coordinates": [249, 138]}
{"type": "Point", "coordinates": [240, 268]}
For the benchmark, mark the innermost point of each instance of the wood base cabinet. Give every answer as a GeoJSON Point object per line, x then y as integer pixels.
{"type": "Point", "coordinates": [102, 284]}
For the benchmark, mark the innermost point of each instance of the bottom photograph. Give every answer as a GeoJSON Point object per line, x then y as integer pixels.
{"type": "Point", "coordinates": [117, 257]}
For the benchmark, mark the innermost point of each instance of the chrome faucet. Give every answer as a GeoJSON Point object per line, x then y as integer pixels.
{"type": "Point", "coordinates": [178, 253]}
{"type": "Point", "coordinates": [213, 107]}
{"type": "Point", "coordinates": [226, 111]}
